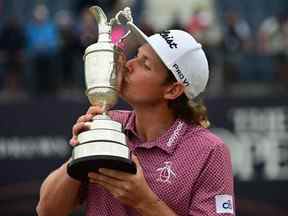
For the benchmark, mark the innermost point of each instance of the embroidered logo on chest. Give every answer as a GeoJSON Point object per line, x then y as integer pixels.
{"type": "Point", "coordinates": [166, 173]}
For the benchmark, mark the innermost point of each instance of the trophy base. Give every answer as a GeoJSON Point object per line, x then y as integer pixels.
{"type": "Point", "coordinates": [79, 168]}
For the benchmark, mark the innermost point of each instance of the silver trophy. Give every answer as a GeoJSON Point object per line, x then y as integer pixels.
{"type": "Point", "coordinates": [103, 145]}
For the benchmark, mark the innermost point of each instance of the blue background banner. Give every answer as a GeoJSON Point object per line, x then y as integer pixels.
{"type": "Point", "coordinates": [34, 141]}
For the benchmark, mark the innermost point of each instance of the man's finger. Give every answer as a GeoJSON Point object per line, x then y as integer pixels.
{"type": "Point", "coordinates": [78, 128]}
{"type": "Point", "coordinates": [100, 177]}
{"type": "Point", "coordinates": [117, 193]}
{"type": "Point", "coordinates": [115, 174]}
{"type": "Point", "coordinates": [85, 118]}
{"type": "Point", "coordinates": [73, 141]}
{"type": "Point", "coordinates": [136, 161]}
{"type": "Point", "coordinates": [94, 110]}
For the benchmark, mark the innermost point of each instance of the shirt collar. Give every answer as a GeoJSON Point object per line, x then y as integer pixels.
{"type": "Point", "coordinates": [130, 125]}
{"type": "Point", "coordinates": [167, 141]}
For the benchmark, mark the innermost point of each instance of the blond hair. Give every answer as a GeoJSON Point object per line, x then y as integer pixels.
{"type": "Point", "coordinates": [190, 111]}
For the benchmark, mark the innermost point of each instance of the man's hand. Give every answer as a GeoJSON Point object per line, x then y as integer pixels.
{"type": "Point", "coordinates": [130, 189]}
{"type": "Point", "coordinates": [81, 124]}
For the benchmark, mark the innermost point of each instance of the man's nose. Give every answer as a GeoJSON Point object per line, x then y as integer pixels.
{"type": "Point", "coordinates": [130, 63]}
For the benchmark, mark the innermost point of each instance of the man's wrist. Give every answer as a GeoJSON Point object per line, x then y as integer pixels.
{"type": "Point", "coordinates": [148, 203]}
{"type": "Point", "coordinates": [154, 207]}
{"type": "Point", "coordinates": [147, 206]}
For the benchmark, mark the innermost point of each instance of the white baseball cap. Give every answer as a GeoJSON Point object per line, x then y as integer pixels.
{"type": "Point", "coordinates": [181, 54]}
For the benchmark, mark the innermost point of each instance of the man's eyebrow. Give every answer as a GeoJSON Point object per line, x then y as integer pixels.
{"type": "Point", "coordinates": [145, 57]}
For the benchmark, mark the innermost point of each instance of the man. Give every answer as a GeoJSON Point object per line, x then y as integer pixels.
{"type": "Point", "coordinates": [182, 168]}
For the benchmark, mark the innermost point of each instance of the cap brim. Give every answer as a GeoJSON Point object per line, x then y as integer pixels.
{"type": "Point", "coordinates": [137, 33]}
{"type": "Point", "coordinates": [135, 38]}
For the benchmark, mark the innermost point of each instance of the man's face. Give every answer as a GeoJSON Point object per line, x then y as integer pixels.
{"type": "Point", "coordinates": [143, 81]}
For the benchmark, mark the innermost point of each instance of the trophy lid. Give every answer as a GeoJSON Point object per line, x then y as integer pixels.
{"type": "Point", "coordinates": [134, 36]}
{"type": "Point", "coordinates": [104, 28]}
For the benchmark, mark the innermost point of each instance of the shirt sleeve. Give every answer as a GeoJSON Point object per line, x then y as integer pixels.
{"type": "Point", "coordinates": [213, 193]}
{"type": "Point", "coordinates": [120, 116]}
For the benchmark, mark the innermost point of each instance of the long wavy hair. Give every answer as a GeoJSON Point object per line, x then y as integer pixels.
{"type": "Point", "coordinates": [187, 110]}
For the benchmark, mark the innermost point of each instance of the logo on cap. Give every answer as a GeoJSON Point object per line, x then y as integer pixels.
{"type": "Point", "coordinates": [181, 75]}
{"type": "Point", "coordinates": [169, 39]}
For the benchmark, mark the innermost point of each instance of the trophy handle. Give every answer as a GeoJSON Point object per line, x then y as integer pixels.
{"type": "Point", "coordinates": [99, 14]}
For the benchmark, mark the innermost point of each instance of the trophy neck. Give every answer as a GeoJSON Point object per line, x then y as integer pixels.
{"type": "Point", "coordinates": [104, 33]}
{"type": "Point", "coordinates": [101, 65]}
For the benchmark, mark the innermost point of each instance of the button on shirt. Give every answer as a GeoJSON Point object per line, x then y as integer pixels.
{"type": "Point", "coordinates": [188, 167]}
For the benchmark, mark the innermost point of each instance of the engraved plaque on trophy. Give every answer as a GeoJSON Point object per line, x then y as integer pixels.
{"type": "Point", "coordinates": [104, 145]}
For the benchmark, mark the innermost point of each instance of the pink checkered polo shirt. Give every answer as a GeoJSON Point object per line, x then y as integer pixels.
{"type": "Point", "coordinates": [188, 167]}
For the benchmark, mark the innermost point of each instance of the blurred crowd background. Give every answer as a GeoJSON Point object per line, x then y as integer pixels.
{"type": "Point", "coordinates": [42, 42]}
{"type": "Point", "coordinates": [42, 87]}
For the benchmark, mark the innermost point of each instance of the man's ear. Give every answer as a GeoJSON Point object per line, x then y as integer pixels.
{"type": "Point", "coordinates": [174, 90]}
